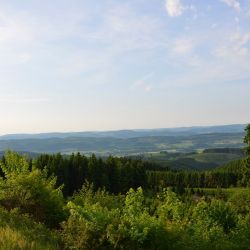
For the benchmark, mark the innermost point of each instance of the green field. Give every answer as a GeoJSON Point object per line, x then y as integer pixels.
{"type": "Point", "coordinates": [194, 160]}
{"type": "Point", "coordinates": [227, 192]}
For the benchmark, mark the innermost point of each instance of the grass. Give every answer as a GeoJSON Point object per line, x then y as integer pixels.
{"type": "Point", "coordinates": [20, 232]}
{"type": "Point", "coordinates": [14, 239]}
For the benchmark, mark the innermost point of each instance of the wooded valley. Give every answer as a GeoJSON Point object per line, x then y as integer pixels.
{"type": "Point", "coordinates": [54, 201]}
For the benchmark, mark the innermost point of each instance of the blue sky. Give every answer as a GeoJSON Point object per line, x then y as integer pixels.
{"type": "Point", "coordinates": [113, 64]}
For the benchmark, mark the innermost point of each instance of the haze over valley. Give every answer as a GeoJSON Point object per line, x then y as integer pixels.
{"type": "Point", "coordinates": [125, 142]}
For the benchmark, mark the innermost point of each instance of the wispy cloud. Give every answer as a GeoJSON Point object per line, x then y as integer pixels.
{"type": "Point", "coordinates": [183, 46]}
{"type": "Point", "coordinates": [16, 38]}
{"type": "Point", "coordinates": [237, 46]}
{"type": "Point", "coordinates": [144, 83]}
{"type": "Point", "coordinates": [174, 8]}
{"type": "Point", "coordinates": [25, 57]}
{"type": "Point", "coordinates": [22, 100]}
{"type": "Point", "coordinates": [85, 53]}
{"type": "Point", "coordinates": [14, 30]}
{"type": "Point", "coordinates": [122, 32]}
{"type": "Point", "coordinates": [233, 4]}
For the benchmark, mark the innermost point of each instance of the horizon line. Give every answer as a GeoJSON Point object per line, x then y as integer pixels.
{"type": "Point", "coordinates": [124, 129]}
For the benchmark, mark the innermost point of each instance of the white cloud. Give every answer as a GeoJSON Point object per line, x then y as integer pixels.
{"type": "Point", "coordinates": [14, 30]}
{"type": "Point", "coordinates": [237, 46]}
{"type": "Point", "coordinates": [127, 30]}
{"type": "Point", "coordinates": [148, 88]}
{"type": "Point", "coordinates": [174, 8]}
{"type": "Point", "coordinates": [183, 46]}
{"type": "Point", "coordinates": [143, 83]}
{"type": "Point", "coordinates": [232, 3]}
{"type": "Point", "coordinates": [228, 63]}
{"type": "Point", "coordinates": [16, 38]}
{"type": "Point", "coordinates": [22, 100]}
{"type": "Point", "coordinates": [25, 58]}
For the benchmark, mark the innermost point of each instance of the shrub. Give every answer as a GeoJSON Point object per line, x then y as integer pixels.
{"type": "Point", "coordinates": [98, 226]}
{"type": "Point", "coordinates": [30, 191]}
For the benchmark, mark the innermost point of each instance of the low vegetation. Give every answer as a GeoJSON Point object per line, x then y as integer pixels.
{"type": "Point", "coordinates": [44, 204]}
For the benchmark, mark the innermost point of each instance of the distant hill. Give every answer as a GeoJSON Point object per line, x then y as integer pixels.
{"type": "Point", "coordinates": [207, 159]}
{"type": "Point", "coordinates": [125, 146]}
{"type": "Point", "coordinates": [235, 166]}
{"type": "Point", "coordinates": [123, 134]}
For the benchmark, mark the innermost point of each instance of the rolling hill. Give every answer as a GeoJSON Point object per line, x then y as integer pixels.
{"type": "Point", "coordinates": [128, 142]}
{"type": "Point", "coordinates": [181, 131]}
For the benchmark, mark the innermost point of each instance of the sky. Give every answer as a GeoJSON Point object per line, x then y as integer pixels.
{"type": "Point", "coordinates": [76, 65]}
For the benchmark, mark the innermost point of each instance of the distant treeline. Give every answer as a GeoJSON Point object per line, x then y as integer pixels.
{"type": "Point", "coordinates": [118, 174]}
{"type": "Point", "coordinates": [204, 179]}
{"type": "Point", "coordinates": [225, 150]}
{"type": "Point", "coordinates": [38, 210]}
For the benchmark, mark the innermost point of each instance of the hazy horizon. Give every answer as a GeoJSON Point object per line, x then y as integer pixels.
{"type": "Point", "coordinates": [113, 65]}
{"type": "Point", "coordinates": [123, 129]}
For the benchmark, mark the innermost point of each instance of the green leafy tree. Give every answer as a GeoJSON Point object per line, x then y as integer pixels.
{"type": "Point", "coordinates": [90, 215]}
{"type": "Point", "coordinates": [30, 191]}
{"type": "Point", "coordinates": [212, 220]}
{"type": "Point", "coordinates": [94, 224]}
{"type": "Point", "coordinates": [240, 201]}
{"type": "Point", "coordinates": [137, 229]}
{"type": "Point", "coordinates": [171, 208]}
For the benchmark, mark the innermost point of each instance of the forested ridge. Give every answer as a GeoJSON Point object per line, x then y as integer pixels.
{"type": "Point", "coordinates": [124, 146]}
{"type": "Point", "coordinates": [78, 202]}
{"type": "Point", "coordinates": [118, 174]}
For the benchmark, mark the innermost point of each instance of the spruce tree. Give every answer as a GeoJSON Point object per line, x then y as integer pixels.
{"type": "Point", "coordinates": [246, 174]}
{"type": "Point", "coordinates": [247, 140]}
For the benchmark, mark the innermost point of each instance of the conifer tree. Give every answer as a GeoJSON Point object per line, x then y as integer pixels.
{"type": "Point", "coordinates": [246, 174]}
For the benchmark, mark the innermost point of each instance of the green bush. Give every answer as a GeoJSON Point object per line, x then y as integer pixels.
{"type": "Point", "coordinates": [95, 226]}
{"type": "Point", "coordinates": [30, 191]}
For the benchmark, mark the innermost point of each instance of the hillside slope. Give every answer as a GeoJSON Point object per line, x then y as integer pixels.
{"type": "Point", "coordinates": [125, 146]}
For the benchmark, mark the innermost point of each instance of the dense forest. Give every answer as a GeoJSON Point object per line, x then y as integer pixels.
{"type": "Point", "coordinates": [78, 202]}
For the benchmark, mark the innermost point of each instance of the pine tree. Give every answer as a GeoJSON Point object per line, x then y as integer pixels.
{"type": "Point", "coordinates": [246, 173]}
{"type": "Point", "coordinates": [247, 140]}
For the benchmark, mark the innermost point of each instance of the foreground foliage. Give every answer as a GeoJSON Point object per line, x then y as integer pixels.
{"type": "Point", "coordinates": [34, 214]}
{"type": "Point", "coordinates": [166, 222]}
{"type": "Point", "coordinates": [30, 191]}
{"type": "Point", "coordinates": [18, 231]}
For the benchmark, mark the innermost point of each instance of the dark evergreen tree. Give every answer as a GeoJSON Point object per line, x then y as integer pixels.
{"type": "Point", "coordinates": [246, 173]}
